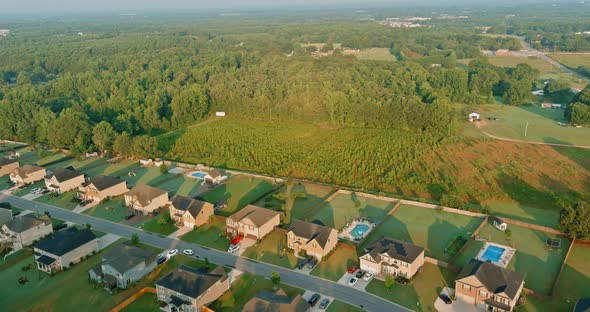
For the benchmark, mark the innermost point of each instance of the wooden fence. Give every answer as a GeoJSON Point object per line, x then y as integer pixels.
{"type": "Point", "coordinates": [533, 226]}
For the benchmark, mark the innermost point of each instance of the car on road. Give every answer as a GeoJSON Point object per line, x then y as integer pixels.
{"type": "Point", "coordinates": [352, 269]}
{"type": "Point", "coordinates": [360, 274]}
{"type": "Point", "coordinates": [172, 253]}
{"type": "Point", "coordinates": [445, 298]}
{"type": "Point", "coordinates": [233, 248]}
{"type": "Point", "coordinates": [188, 252]}
{"type": "Point", "coordinates": [368, 276]}
{"type": "Point", "coordinates": [352, 281]}
{"type": "Point", "coordinates": [324, 304]}
{"type": "Point", "coordinates": [313, 299]}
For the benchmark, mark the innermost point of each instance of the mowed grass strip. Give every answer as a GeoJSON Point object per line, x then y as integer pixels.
{"type": "Point", "coordinates": [428, 228]}
{"type": "Point", "coordinates": [239, 191]}
{"type": "Point", "coordinates": [337, 263]}
{"type": "Point", "coordinates": [146, 303]}
{"type": "Point", "coordinates": [272, 249]}
{"type": "Point", "coordinates": [344, 208]}
{"type": "Point", "coordinates": [112, 210]}
{"type": "Point", "coordinates": [211, 235]}
{"type": "Point", "coordinates": [65, 200]}
{"type": "Point", "coordinates": [546, 217]}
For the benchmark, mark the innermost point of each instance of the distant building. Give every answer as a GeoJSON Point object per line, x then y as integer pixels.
{"type": "Point", "coordinates": [473, 117]}
{"type": "Point", "coordinates": [214, 177]}
{"type": "Point", "coordinates": [102, 187]}
{"type": "Point", "coordinates": [503, 52]}
{"type": "Point", "coordinates": [221, 114]}
{"type": "Point", "coordinates": [499, 223]}
{"type": "Point", "coordinates": [546, 105]}
{"type": "Point", "coordinates": [4, 32]}
{"type": "Point", "coordinates": [539, 92]}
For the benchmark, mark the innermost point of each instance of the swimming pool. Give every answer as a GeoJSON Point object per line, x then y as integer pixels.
{"type": "Point", "coordinates": [359, 230]}
{"type": "Point", "coordinates": [199, 175]}
{"type": "Point", "coordinates": [492, 254]}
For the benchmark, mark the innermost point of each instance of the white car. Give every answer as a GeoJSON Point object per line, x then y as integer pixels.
{"type": "Point", "coordinates": [233, 248]}
{"type": "Point", "coordinates": [368, 276]}
{"type": "Point", "coordinates": [352, 281]}
{"type": "Point", "coordinates": [188, 252]}
{"type": "Point", "coordinates": [172, 253]}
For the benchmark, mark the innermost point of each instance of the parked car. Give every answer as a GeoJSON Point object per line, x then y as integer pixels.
{"type": "Point", "coordinates": [360, 274]}
{"type": "Point", "coordinates": [311, 263]}
{"type": "Point", "coordinates": [352, 281]}
{"type": "Point", "coordinates": [236, 240]}
{"type": "Point", "coordinates": [324, 304]}
{"type": "Point", "coordinates": [445, 298]}
{"type": "Point", "coordinates": [314, 299]}
{"type": "Point", "coordinates": [60, 226]}
{"type": "Point", "coordinates": [172, 253]}
{"type": "Point", "coordinates": [352, 269]}
{"type": "Point", "coordinates": [161, 259]}
{"type": "Point", "coordinates": [368, 276]}
{"type": "Point", "coordinates": [233, 248]}
{"type": "Point", "coordinates": [129, 216]}
{"type": "Point", "coordinates": [188, 252]}
{"type": "Point", "coordinates": [45, 192]}
{"type": "Point", "coordinates": [300, 264]}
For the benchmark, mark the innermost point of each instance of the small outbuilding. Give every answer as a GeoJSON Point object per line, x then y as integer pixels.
{"type": "Point", "coordinates": [499, 223]}
{"type": "Point", "coordinates": [220, 114]}
{"type": "Point", "coordinates": [473, 117]}
{"type": "Point", "coordinates": [546, 105]}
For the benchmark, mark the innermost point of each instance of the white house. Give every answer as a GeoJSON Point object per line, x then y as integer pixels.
{"type": "Point", "coordinates": [473, 117]}
{"type": "Point", "coordinates": [499, 223]}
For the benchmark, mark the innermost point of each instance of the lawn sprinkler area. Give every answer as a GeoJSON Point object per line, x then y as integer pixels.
{"type": "Point", "coordinates": [357, 230]}
{"type": "Point", "coordinates": [497, 254]}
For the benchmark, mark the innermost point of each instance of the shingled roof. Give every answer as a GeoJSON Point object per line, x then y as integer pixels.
{"type": "Point", "coordinates": [64, 174]}
{"type": "Point", "coordinates": [266, 301]}
{"type": "Point", "coordinates": [145, 193]}
{"type": "Point", "coordinates": [192, 282]}
{"type": "Point", "coordinates": [311, 231]}
{"type": "Point", "coordinates": [214, 173]}
{"type": "Point", "coordinates": [7, 161]}
{"type": "Point", "coordinates": [194, 206]}
{"type": "Point", "coordinates": [28, 221]}
{"type": "Point", "coordinates": [125, 257]}
{"type": "Point", "coordinates": [394, 248]}
{"type": "Point", "coordinates": [495, 279]}
{"type": "Point", "coordinates": [65, 241]}
{"type": "Point", "coordinates": [258, 215]}
{"type": "Point", "coordinates": [26, 170]}
{"type": "Point", "coordinates": [103, 182]}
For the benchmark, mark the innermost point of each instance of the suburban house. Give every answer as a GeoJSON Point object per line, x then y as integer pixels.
{"type": "Point", "coordinates": [5, 215]}
{"type": "Point", "coordinates": [7, 166]}
{"type": "Point", "coordinates": [27, 174]}
{"type": "Point", "coordinates": [312, 239]}
{"type": "Point", "coordinates": [276, 302]}
{"type": "Point", "coordinates": [488, 286]}
{"type": "Point", "coordinates": [252, 221]}
{"type": "Point", "coordinates": [145, 199]}
{"type": "Point", "coordinates": [387, 256]}
{"type": "Point", "coordinates": [64, 248]}
{"type": "Point", "coordinates": [63, 180]}
{"type": "Point", "coordinates": [25, 230]}
{"type": "Point", "coordinates": [473, 117]}
{"type": "Point", "coordinates": [102, 187]}
{"type": "Point", "coordinates": [186, 211]}
{"type": "Point", "coordinates": [499, 223]}
{"type": "Point", "coordinates": [214, 177]}
{"type": "Point", "coordinates": [190, 289]}
{"type": "Point", "coordinates": [123, 265]}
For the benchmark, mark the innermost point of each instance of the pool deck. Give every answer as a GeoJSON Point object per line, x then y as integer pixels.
{"type": "Point", "coordinates": [346, 232]}
{"type": "Point", "coordinates": [504, 258]}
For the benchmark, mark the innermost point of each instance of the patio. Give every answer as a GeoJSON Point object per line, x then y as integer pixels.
{"type": "Point", "coordinates": [357, 229]}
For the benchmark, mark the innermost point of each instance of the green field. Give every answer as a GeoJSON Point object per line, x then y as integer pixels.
{"type": "Point", "coordinates": [333, 267]}
{"type": "Point", "coordinates": [272, 249]}
{"type": "Point", "coordinates": [113, 210]}
{"type": "Point", "coordinates": [572, 60]}
{"type": "Point", "coordinates": [375, 54]}
{"type": "Point", "coordinates": [344, 208]}
{"type": "Point", "coordinates": [545, 217]}
{"type": "Point", "coordinates": [239, 191]}
{"type": "Point", "coordinates": [153, 226]}
{"type": "Point", "coordinates": [429, 228]}
{"type": "Point", "coordinates": [146, 303]}
{"type": "Point", "coordinates": [339, 306]}
{"type": "Point", "coordinates": [175, 184]}
{"type": "Point", "coordinates": [211, 235]}
{"type": "Point", "coordinates": [65, 200]}
{"type": "Point", "coordinates": [298, 200]}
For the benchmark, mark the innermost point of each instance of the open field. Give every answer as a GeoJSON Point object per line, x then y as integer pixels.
{"type": "Point", "coordinates": [238, 191]}
{"type": "Point", "coordinates": [298, 200]}
{"type": "Point", "coordinates": [421, 294]}
{"type": "Point", "coordinates": [512, 210]}
{"type": "Point", "coordinates": [572, 60]}
{"type": "Point", "coordinates": [113, 210]}
{"type": "Point", "coordinates": [344, 208]}
{"type": "Point", "coordinates": [375, 54]}
{"type": "Point", "coordinates": [65, 200]}
{"type": "Point", "coordinates": [319, 45]}
{"type": "Point", "coordinates": [531, 256]}
{"type": "Point", "coordinates": [429, 228]}
{"type": "Point", "coordinates": [211, 235]}
{"type": "Point", "coordinates": [333, 267]}
{"type": "Point", "coordinates": [153, 226]}
{"type": "Point", "coordinates": [272, 249]}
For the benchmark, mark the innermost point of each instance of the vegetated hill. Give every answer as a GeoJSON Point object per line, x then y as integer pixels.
{"type": "Point", "coordinates": [396, 161]}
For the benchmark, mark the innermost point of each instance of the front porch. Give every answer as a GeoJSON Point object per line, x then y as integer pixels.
{"type": "Point", "coordinates": [47, 264]}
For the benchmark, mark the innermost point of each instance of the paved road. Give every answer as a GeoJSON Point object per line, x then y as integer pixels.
{"type": "Point", "coordinates": [344, 293]}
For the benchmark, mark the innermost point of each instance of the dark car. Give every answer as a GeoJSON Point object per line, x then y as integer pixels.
{"type": "Point", "coordinates": [314, 299]}
{"type": "Point", "coordinates": [129, 216]}
{"type": "Point", "coordinates": [311, 263]}
{"type": "Point", "coordinates": [161, 260]}
{"type": "Point", "coordinates": [445, 298]}
{"type": "Point", "coordinates": [360, 274]}
{"type": "Point", "coordinates": [300, 265]}
{"type": "Point", "coordinates": [324, 304]}
{"type": "Point", "coordinates": [60, 226]}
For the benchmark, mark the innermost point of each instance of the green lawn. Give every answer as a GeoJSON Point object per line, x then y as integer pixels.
{"type": "Point", "coordinates": [298, 200]}
{"type": "Point", "coordinates": [113, 210]}
{"type": "Point", "coordinates": [153, 226]}
{"type": "Point", "coordinates": [531, 257]}
{"type": "Point", "coordinates": [5, 182]}
{"type": "Point", "coordinates": [174, 183]}
{"type": "Point", "coordinates": [27, 189]}
{"type": "Point", "coordinates": [239, 191]}
{"type": "Point", "coordinates": [512, 210]}
{"type": "Point", "coordinates": [34, 157]}
{"type": "Point", "coordinates": [146, 303]}
{"type": "Point", "coordinates": [343, 208]}
{"type": "Point", "coordinates": [333, 267]}
{"type": "Point", "coordinates": [272, 249]}
{"type": "Point", "coordinates": [421, 294]}
{"type": "Point", "coordinates": [211, 235]}
{"type": "Point", "coordinates": [246, 288]}
{"type": "Point", "coordinates": [339, 306]}
{"type": "Point", "coordinates": [376, 54]}
{"type": "Point", "coordinates": [64, 200]}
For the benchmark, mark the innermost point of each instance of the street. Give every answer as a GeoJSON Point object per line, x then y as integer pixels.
{"type": "Point", "coordinates": [325, 287]}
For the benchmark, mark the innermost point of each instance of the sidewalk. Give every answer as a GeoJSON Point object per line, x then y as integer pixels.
{"type": "Point", "coordinates": [183, 230]}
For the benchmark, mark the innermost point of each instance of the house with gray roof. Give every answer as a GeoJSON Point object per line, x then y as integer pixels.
{"type": "Point", "coordinates": [488, 286]}
{"type": "Point", "coordinates": [388, 256]}
{"type": "Point", "coordinates": [266, 301]}
{"type": "Point", "coordinates": [190, 289]}
{"type": "Point", "coordinates": [5, 215]}
{"type": "Point", "coordinates": [64, 248]}
{"type": "Point", "coordinates": [62, 180]}
{"type": "Point", "coordinates": [311, 239]}
{"type": "Point", "coordinates": [25, 230]}
{"type": "Point", "coordinates": [253, 222]}
{"type": "Point", "coordinates": [122, 265]}
{"type": "Point", "coordinates": [190, 212]}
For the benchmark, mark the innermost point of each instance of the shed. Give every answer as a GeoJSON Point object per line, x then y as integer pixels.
{"type": "Point", "coordinates": [473, 117]}
{"type": "Point", "coordinates": [499, 223]}
{"type": "Point", "coordinates": [546, 105]}
{"type": "Point", "coordinates": [220, 114]}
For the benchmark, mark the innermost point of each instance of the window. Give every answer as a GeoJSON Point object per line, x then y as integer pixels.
{"type": "Point", "coordinates": [483, 293]}
{"type": "Point", "coordinates": [466, 287]}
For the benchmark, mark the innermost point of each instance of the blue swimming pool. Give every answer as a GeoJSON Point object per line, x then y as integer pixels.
{"type": "Point", "coordinates": [199, 175]}
{"type": "Point", "coordinates": [493, 254]}
{"type": "Point", "coordinates": [359, 230]}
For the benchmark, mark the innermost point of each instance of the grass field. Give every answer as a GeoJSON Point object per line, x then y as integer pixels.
{"type": "Point", "coordinates": [300, 200]}
{"type": "Point", "coordinates": [572, 60]}
{"type": "Point", "coordinates": [337, 263]}
{"type": "Point", "coordinates": [421, 294]}
{"type": "Point", "coordinates": [344, 208]}
{"type": "Point", "coordinates": [272, 249]}
{"type": "Point", "coordinates": [531, 257]}
{"type": "Point", "coordinates": [375, 54]}
{"type": "Point", "coordinates": [544, 217]}
{"type": "Point", "coordinates": [146, 303]}
{"type": "Point", "coordinates": [211, 235]}
{"type": "Point", "coordinates": [113, 210]}
{"type": "Point", "coordinates": [27, 189]}
{"type": "Point", "coordinates": [173, 183]}
{"type": "Point", "coordinates": [153, 226]}
{"type": "Point", "coordinates": [64, 200]}
{"type": "Point", "coordinates": [5, 182]}
{"type": "Point", "coordinates": [425, 227]}
{"type": "Point", "coordinates": [339, 306]}
{"type": "Point", "coordinates": [239, 191]}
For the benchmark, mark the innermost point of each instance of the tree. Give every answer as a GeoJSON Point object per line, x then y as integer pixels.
{"type": "Point", "coordinates": [122, 144]}
{"type": "Point", "coordinates": [190, 105]}
{"type": "Point", "coordinates": [389, 281]}
{"type": "Point", "coordinates": [275, 278]}
{"type": "Point", "coordinates": [74, 131]}
{"type": "Point", "coordinates": [135, 239]}
{"type": "Point", "coordinates": [163, 168]}
{"type": "Point", "coordinates": [103, 136]}
{"type": "Point", "coordinates": [164, 219]}
{"type": "Point", "coordinates": [144, 146]}
{"type": "Point", "coordinates": [518, 93]}
{"type": "Point", "coordinates": [557, 86]}
{"type": "Point", "coordinates": [575, 220]}
{"type": "Point", "coordinates": [508, 234]}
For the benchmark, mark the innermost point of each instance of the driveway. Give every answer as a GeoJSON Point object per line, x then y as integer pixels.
{"type": "Point", "coordinates": [181, 231]}
{"type": "Point", "coordinates": [361, 284]}
{"type": "Point", "coordinates": [106, 240]}
{"type": "Point", "coordinates": [316, 308]}
{"type": "Point", "coordinates": [456, 306]}
{"type": "Point", "coordinates": [244, 244]}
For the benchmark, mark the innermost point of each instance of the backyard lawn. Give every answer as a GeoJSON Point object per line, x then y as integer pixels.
{"type": "Point", "coordinates": [333, 267]}
{"type": "Point", "coordinates": [162, 229]}
{"type": "Point", "coordinates": [65, 200]}
{"type": "Point", "coordinates": [211, 235]}
{"type": "Point", "coordinates": [344, 208]}
{"type": "Point", "coordinates": [113, 210]}
{"type": "Point", "coordinates": [272, 249]}
{"type": "Point", "coordinates": [421, 294]}
{"type": "Point", "coordinates": [429, 228]}
{"type": "Point", "coordinates": [173, 183]}
{"type": "Point", "coordinates": [545, 217]}
{"type": "Point", "coordinates": [5, 182]}
{"type": "Point", "coordinates": [146, 303]}
{"type": "Point", "coordinates": [27, 189]}
{"type": "Point", "coordinates": [239, 191]}
{"type": "Point", "coordinates": [246, 288]}
{"type": "Point", "coordinates": [299, 200]}
{"type": "Point", "coordinates": [376, 54]}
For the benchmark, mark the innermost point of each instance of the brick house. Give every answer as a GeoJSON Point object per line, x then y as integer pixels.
{"type": "Point", "coordinates": [313, 239]}
{"type": "Point", "coordinates": [27, 174]}
{"type": "Point", "coordinates": [277, 301]}
{"type": "Point", "coordinates": [190, 289]}
{"type": "Point", "coordinates": [24, 230]}
{"type": "Point", "coordinates": [59, 251]}
{"type": "Point", "coordinates": [390, 256]}
{"type": "Point", "coordinates": [252, 221]}
{"type": "Point", "coordinates": [62, 180]}
{"type": "Point", "coordinates": [145, 199]}
{"type": "Point", "coordinates": [102, 187]}
{"type": "Point", "coordinates": [488, 286]}
{"type": "Point", "coordinates": [8, 165]}
{"type": "Point", "coordinates": [186, 211]}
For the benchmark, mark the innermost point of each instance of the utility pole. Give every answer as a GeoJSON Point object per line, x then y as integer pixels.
{"type": "Point", "coordinates": [526, 128]}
